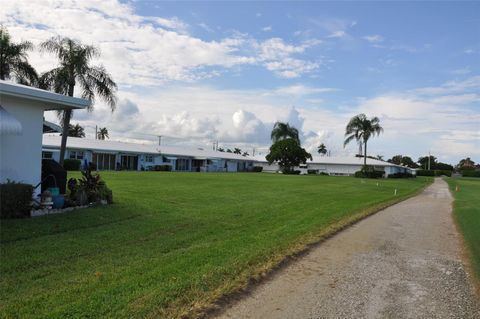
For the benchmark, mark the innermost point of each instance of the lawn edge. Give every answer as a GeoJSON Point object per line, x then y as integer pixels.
{"type": "Point", "coordinates": [466, 253]}
{"type": "Point", "coordinates": [232, 292]}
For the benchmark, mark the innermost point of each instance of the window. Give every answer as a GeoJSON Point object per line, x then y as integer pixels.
{"type": "Point", "coordinates": [76, 155]}
{"type": "Point", "coordinates": [104, 161]}
{"type": "Point", "coordinates": [165, 160]}
{"type": "Point", "coordinates": [47, 155]}
{"type": "Point", "coordinates": [181, 164]}
{"type": "Point", "coordinates": [149, 158]}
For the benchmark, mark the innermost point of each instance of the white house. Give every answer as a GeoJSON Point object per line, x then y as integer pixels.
{"type": "Point", "coordinates": [112, 155]}
{"type": "Point", "coordinates": [335, 165]}
{"type": "Point", "coordinates": [21, 128]}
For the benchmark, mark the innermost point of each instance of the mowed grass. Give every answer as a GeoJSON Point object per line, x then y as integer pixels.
{"type": "Point", "coordinates": [467, 214]}
{"type": "Point", "coordinates": [174, 242]}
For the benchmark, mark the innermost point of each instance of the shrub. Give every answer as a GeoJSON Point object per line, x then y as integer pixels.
{"type": "Point", "coordinates": [312, 171]}
{"type": "Point", "coordinates": [257, 169]}
{"type": "Point", "coordinates": [470, 173]}
{"type": "Point", "coordinates": [324, 174]}
{"type": "Point", "coordinates": [401, 175]}
{"type": "Point", "coordinates": [424, 172]}
{"type": "Point", "coordinates": [15, 200]}
{"type": "Point", "coordinates": [162, 168]}
{"type": "Point", "coordinates": [71, 164]}
{"type": "Point", "coordinates": [369, 172]}
{"type": "Point", "coordinates": [289, 172]}
{"type": "Point", "coordinates": [440, 172]}
{"type": "Point", "coordinates": [89, 189]}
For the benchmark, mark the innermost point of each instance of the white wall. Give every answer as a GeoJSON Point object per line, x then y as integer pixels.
{"type": "Point", "coordinates": [21, 155]}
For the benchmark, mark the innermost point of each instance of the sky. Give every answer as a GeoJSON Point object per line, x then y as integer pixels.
{"type": "Point", "coordinates": [196, 72]}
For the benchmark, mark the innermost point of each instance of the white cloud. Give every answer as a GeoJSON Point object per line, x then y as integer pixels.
{"type": "Point", "coordinates": [337, 34]}
{"type": "Point", "coordinates": [144, 51]}
{"type": "Point", "coordinates": [267, 28]}
{"type": "Point", "coordinates": [375, 38]}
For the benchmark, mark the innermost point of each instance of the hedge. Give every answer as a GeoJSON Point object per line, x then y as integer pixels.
{"type": "Point", "coordinates": [15, 200]}
{"type": "Point", "coordinates": [437, 172]}
{"type": "Point", "coordinates": [424, 172]}
{"type": "Point", "coordinates": [162, 168]}
{"type": "Point", "coordinates": [71, 164]}
{"type": "Point", "coordinates": [369, 174]}
{"type": "Point", "coordinates": [401, 175]}
{"type": "Point", "coordinates": [257, 169]}
{"type": "Point", "coordinates": [470, 173]}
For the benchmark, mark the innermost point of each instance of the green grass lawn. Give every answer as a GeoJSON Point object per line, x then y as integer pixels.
{"type": "Point", "coordinates": [174, 242]}
{"type": "Point", "coordinates": [467, 214]}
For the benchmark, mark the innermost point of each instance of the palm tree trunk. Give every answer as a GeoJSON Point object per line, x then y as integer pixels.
{"type": "Point", "coordinates": [67, 115]}
{"type": "Point", "coordinates": [365, 157]}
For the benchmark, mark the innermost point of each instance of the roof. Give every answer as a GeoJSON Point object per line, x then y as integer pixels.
{"type": "Point", "coordinates": [9, 125]}
{"type": "Point", "coordinates": [53, 141]}
{"type": "Point", "coordinates": [340, 160]}
{"type": "Point", "coordinates": [49, 127]}
{"type": "Point", "coordinates": [51, 101]}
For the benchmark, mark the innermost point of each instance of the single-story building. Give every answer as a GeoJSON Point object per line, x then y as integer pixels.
{"type": "Point", "coordinates": [337, 165]}
{"type": "Point", "coordinates": [114, 155]}
{"type": "Point", "coordinates": [21, 128]}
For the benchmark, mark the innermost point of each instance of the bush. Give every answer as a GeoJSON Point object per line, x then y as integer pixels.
{"type": "Point", "coordinates": [296, 172]}
{"type": "Point", "coordinates": [470, 173]}
{"type": "Point", "coordinates": [401, 175]}
{"type": "Point", "coordinates": [162, 168]}
{"type": "Point", "coordinates": [369, 172]}
{"type": "Point", "coordinates": [312, 171]}
{"type": "Point", "coordinates": [424, 172]}
{"type": "Point", "coordinates": [324, 174]}
{"type": "Point", "coordinates": [257, 169]}
{"type": "Point", "coordinates": [15, 200]}
{"type": "Point", "coordinates": [440, 172]}
{"type": "Point", "coordinates": [89, 189]}
{"type": "Point", "coordinates": [71, 164]}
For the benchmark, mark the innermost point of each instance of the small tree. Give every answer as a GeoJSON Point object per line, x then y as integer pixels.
{"type": "Point", "coordinates": [322, 149]}
{"type": "Point", "coordinates": [288, 153]}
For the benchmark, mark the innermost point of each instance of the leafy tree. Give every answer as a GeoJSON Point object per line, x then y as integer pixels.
{"type": "Point", "coordinates": [403, 160]}
{"type": "Point", "coordinates": [76, 130]}
{"type": "Point", "coordinates": [283, 131]}
{"type": "Point", "coordinates": [102, 133]}
{"type": "Point", "coordinates": [75, 69]}
{"type": "Point", "coordinates": [288, 153]}
{"type": "Point", "coordinates": [361, 129]}
{"type": "Point", "coordinates": [423, 161]}
{"type": "Point", "coordinates": [237, 151]}
{"type": "Point", "coordinates": [13, 60]}
{"type": "Point", "coordinates": [322, 149]}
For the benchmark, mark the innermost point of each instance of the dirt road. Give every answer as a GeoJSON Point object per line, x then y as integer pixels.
{"type": "Point", "coordinates": [403, 262]}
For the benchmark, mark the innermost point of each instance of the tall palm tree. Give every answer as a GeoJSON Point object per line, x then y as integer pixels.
{"type": "Point", "coordinates": [13, 60]}
{"type": "Point", "coordinates": [102, 133]}
{"type": "Point", "coordinates": [282, 131]}
{"type": "Point", "coordinates": [236, 150]}
{"type": "Point", "coordinates": [75, 68]}
{"type": "Point", "coordinates": [322, 149]}
{"type": "Point", "coordinates": [361, 129]}
{"type": "Point", "coordinates": [76, 130]}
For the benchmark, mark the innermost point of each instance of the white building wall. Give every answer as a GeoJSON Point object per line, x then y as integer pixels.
{"type": "Point", "coordinates": [21, 155]}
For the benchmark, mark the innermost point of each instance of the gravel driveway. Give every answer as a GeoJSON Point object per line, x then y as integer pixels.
{"type": "Point", "coordinates": [403, 262]}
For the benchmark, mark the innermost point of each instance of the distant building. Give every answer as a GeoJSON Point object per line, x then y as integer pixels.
{"type": "Point", "coordinates": [113, 155]}
{"type": "Point", "coordinates": [339, 166]}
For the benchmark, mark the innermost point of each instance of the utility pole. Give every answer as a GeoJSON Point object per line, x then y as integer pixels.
{"type": "Point", "coordinates": [428, 160]}
{"type": "Point", "coordinates": [96, 134]}
{"type": "Point", "coordinates": [159, 140]}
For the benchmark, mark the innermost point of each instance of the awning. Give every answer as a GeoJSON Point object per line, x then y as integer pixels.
{"type": "Point", "coordinates": [200, 158]}
{"type": "Point", "coordinates": [49, 127]}
{"type": "Point", "coordinates": [8, 124]}
{"type": "Point", "coordinates": [171, 158]}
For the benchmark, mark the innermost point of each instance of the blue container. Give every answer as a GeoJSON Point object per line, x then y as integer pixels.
{"type": "Point", "coordinates": [58, 201]}
{"type": "Point", "coordinates": [54, 191]}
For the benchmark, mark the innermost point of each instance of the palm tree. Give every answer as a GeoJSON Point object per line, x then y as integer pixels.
{"type": "Point", "coordinates": [13, 60]}
{"type": "Point", "coordinates": [76, 130]}
{"type": "Point", "coordinates": [282, 131]}
{"type": "Point", "coordinates": [322, 149]}
{"type": "Point", "coordinates": [361, 129]}
{"type": "Point", "coordinates": [102, 133]}
{"type": "Point", "coordinates": [75, 68]}
{"type": "Point", "coordinates": [236, 150]}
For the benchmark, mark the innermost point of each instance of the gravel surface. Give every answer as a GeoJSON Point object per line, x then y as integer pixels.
{"type": "Point", "coordinates": [403, 262]}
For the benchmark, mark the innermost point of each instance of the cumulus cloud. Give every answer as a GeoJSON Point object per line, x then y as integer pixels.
{"type": "Point", "coordinates": [142, 50]}
{"type": "Point", "coordinates": [374, 38]}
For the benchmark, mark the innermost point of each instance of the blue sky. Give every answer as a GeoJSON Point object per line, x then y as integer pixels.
{"type": "Point", "coordinates": [202, 71]}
